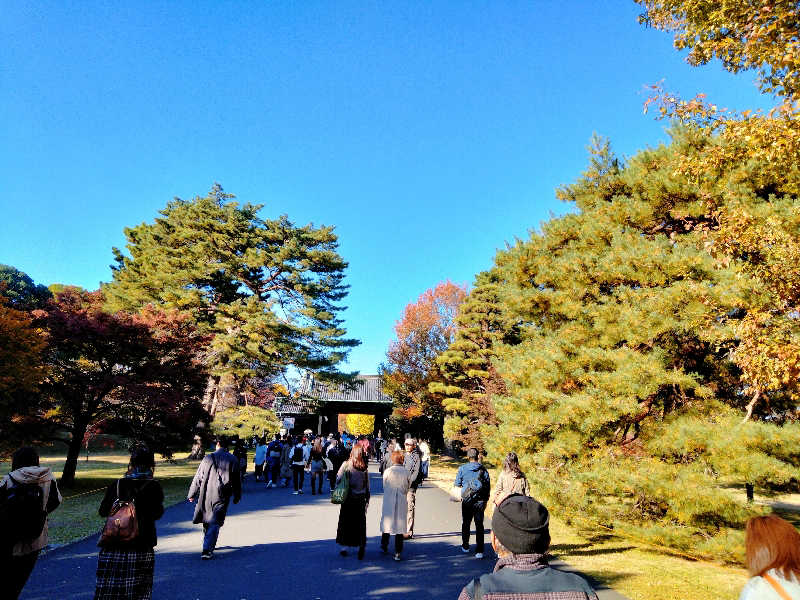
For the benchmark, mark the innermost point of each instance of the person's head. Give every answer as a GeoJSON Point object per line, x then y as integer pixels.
{"type": "Point", "coordinates": [520, 525]}
{"type": "Point", "coordinates": [142, 459]}
{"type": "Point", "coordinates": [357, 458]}
{"type": "Point", "coordinates": [318, 445]}
{"type": "Point", "coordinates": [511, 464]}
{"type": "Point", "coordinates": [24, 457]}
{"type": "Point", "coordinates": [410, 444]}
{"type": "Point", "coordinates": [277, 437]}
{"type": "Point", "coordinates": [223, 441]}
{"type": "Point", "coordinates": [398, 458]}
{"type": "Point", "coordinates": [472, 454]}
{"type": "Point", "coordinates": [772, 543]}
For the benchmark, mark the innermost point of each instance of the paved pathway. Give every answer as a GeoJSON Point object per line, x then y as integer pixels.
{"type": "Point", "coordinates": [275, 544]}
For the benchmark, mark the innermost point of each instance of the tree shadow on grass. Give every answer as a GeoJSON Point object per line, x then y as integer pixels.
{"type": "Point", "coordinates": [566, 550]}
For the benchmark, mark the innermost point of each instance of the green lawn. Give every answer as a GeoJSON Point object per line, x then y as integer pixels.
{"type": "Point", "coordinates": [77, 516]}
{"type": "Point", "coordinates": [635, 570]}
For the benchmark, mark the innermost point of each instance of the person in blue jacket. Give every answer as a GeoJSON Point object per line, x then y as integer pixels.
{"type": "Point", "coordinates": [475, 484]}
{"type": "Point", "coordinates": [273, 467]}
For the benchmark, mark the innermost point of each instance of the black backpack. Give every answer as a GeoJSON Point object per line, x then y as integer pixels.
{"type": "Point", "coordinates": [473, 491]}
{"type": "Point", "coordinates": [297, 455]}
{"type": "Point", "coordinates": [22, 512]}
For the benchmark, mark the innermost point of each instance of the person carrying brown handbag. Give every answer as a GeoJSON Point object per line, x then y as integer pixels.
{"type": "Point", "coordinates": [126, 561]}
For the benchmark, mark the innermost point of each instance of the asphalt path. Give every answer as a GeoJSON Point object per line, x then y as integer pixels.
{"type": "Point", "coordinates": [275, 544]}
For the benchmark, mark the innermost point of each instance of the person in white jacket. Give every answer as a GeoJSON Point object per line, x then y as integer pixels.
{"type": "Point", "coordinates": [772, 557]}
{"type": "Point", "coordinates": [394, 512]}
{"type": "Point", "coordinates": [20, 558]}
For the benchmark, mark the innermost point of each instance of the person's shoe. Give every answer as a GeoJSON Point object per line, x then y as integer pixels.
{"type": "Point", "coordinates": [207, 554]}
{"type": "Point", "coordinates": [299, 491]}
{"type": "Point", "coordinates": [397, 556]}
{"type": "Point", "coordinates": [342, 552]}
{"type": "Point", "coordinates": [465, 550]}
{"type": "Point", "coordinates": [269, 485]}
{"type": "Point", "coordinates": [361, 553]}
{"type": "Point", "coordinates": [479, 555]}
{"type": "Point", "coordinates": [294, 493]}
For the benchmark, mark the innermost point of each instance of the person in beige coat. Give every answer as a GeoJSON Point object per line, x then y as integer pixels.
{"type": "Point", "coordinates": [511, 480]}
{"type": "Point", "coordinates": [23, 555]}
{"type": "Point", "coordinates": [394, 513]}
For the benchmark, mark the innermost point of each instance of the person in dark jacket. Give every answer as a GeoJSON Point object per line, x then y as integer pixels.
{"type": "Point", "coordinates": [217, 481]}
{"type": "Point", "coordinates": [125, 569]}
{"type": "Point", "coordinates": [521, 537]}
{"type": "Point", "coordinates": [473, 476]}
{"type": "Point", "coordinates": [337, 455]}
{"type": "Point", "coordinates": [412, 462]}
{"type": "Point", "coordinates": [18, 559]}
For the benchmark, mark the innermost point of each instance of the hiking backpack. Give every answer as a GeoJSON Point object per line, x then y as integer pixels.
{"type": "Point", "coordinates": [22, 513]}
{"type": "Point", "coordinates": [122, 525]}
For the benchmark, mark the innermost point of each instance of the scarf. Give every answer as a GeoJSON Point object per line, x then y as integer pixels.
{"type": "Point", "coordinates": [137, 474]}
{"type": "Point", "coordinates": [522, 562]}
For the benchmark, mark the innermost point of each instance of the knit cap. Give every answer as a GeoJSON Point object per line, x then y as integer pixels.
{"type": "Point", "coordinates": [521, 525]}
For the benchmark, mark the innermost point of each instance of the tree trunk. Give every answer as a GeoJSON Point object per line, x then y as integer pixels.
{"type": "Point", "coordinates": [211, 396]}
{"type": "Point", "coordinates": [73, 453]}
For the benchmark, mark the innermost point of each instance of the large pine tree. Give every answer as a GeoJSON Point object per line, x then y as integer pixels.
{"type": "Point", "coordinates": [266, 289]}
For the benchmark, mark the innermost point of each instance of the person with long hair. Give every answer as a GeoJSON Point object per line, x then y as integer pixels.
{"type": "Point", "coordinates": [19, 556]}
{"type": "Point", "coordinates": [511, 480]}
{"type": "Point", "coordinates": [316, 462]}
{"type": "Point", "coordinates": [125, 569]}
{"type": "Point", "coordinates": [352, 528]}
{"type": "Point", "coordinates": [772, 557]}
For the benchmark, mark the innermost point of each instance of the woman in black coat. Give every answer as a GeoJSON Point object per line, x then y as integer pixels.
{"type": "Point", "coordinates": [125, 569]}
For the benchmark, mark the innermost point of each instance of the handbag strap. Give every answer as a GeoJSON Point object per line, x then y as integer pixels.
{"type": "Point", "coordinates": [776, 586]}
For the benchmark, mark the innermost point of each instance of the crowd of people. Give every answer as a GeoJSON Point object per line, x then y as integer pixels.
{"type": "Point", "coordinates": [520, 534]}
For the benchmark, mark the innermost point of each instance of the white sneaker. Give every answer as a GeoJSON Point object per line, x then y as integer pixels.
{"type": "Point", "coordinates": [294, 493]}
{"type": "Point", "coordinates": [479, 555]}
{"type": "Point", "coordinates": [465, 550]}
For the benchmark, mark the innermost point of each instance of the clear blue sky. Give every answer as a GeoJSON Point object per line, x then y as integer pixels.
{"type": "Point", "coordinates": [429, 133]}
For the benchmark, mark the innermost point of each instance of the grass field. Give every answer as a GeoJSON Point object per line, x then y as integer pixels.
{"type": "Point", "coordinates": [635, 570]}
{"type": "Point", "coordinates": [77, 516]}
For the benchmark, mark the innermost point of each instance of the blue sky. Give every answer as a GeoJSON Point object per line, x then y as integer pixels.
{"type": "Point", "coordinates": [430, 134]}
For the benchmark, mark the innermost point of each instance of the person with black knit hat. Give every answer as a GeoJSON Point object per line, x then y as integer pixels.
{"type": "Point", "coordinates": [521, 537]}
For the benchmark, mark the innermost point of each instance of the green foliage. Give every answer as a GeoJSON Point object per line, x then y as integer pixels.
{"type": "Point", "coordinates": [245, 421]}
{"type": "Point", "coordinates": [266, 290]}
{"type": "Point", "coordinates": [626, 391]}
{"type": "Point", "coordinates": [466, 380]}
{"type": "Point", "coordinates": [20, 290]}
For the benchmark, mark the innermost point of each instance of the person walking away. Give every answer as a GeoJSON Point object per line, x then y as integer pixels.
{"type": "Point", "coordinates": [217, 481]}
{"type": "Point", "coordinates": [260, 459]}
{"type": "Point", "coordinates": [772, 558]}
{"type": "Point", "coordinates": [394, 512]}
{"type": "Point", "coordinates": [511, 480]}
{"type": "Point", "coordinates": [473, 479]}
{"type": "Point", "coordinates": [298, 467]}
{"type": "Point", "coordinates": [27, 495]}
{"type": "Point", "coordinates": [274, 453]}
{"type": "Point", "coordinates": [351, 530]}
{"type": "Point", "coordinates": [413, 463]}
{"type": "Point", "coordinates": [521, 537]}
{"type": "Point", "coordinates": [425, 451]}
{"type": "Point", "coordinates": [125, 566]}
{"type": "Point", "coordinates": [337, 455]}
{"type": "Point", "coordinates": [285, 474]}
{"type": "Point", "coordinates": [316, 463]}
{"type": "Point", "coordinates": [240, 452]}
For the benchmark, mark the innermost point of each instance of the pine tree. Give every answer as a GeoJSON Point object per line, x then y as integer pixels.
{"type": "Point", "coordinates": [626, 393]}
{"type": "Point", "coordinates": [466, 379]}
{"type": "Point", "coordinates": [266, 290]}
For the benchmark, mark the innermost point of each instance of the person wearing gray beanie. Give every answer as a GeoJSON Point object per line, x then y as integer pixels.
{"type": "Point", "coordinates": [521, 537]}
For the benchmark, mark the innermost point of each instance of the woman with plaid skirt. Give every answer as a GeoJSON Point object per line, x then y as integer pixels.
{"type": "Point", "coordinates": [125, 569]}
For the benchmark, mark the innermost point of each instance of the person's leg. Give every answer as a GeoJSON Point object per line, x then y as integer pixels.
{"type": "Point", "coordinates": [302, 478]}
{"type": "Point", "coordinates": [477, 515]}
{"type": "Point", "coordinates": [19, 570]}
{"type": "Point", "coordinates": [276, 473]}
{"type": "Point", "coordinates": [321, 476]}
{"type": "Point", "coordinates": [411, 497]}
{"type": "Point", "coordinates": [398, 543]}
{"type": "Point", "coordinates": [296, 470]}
{"type": "Point", "coordinates": [211, 533]}
{"type": "Point", "coordinates": [466, 522]}
{"type": "Point", "coordinates": [385, 541]}
{"type": "Point", "coordinates": [332, 479]}
{"type": "Point", "coordinates": [313, 483]}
